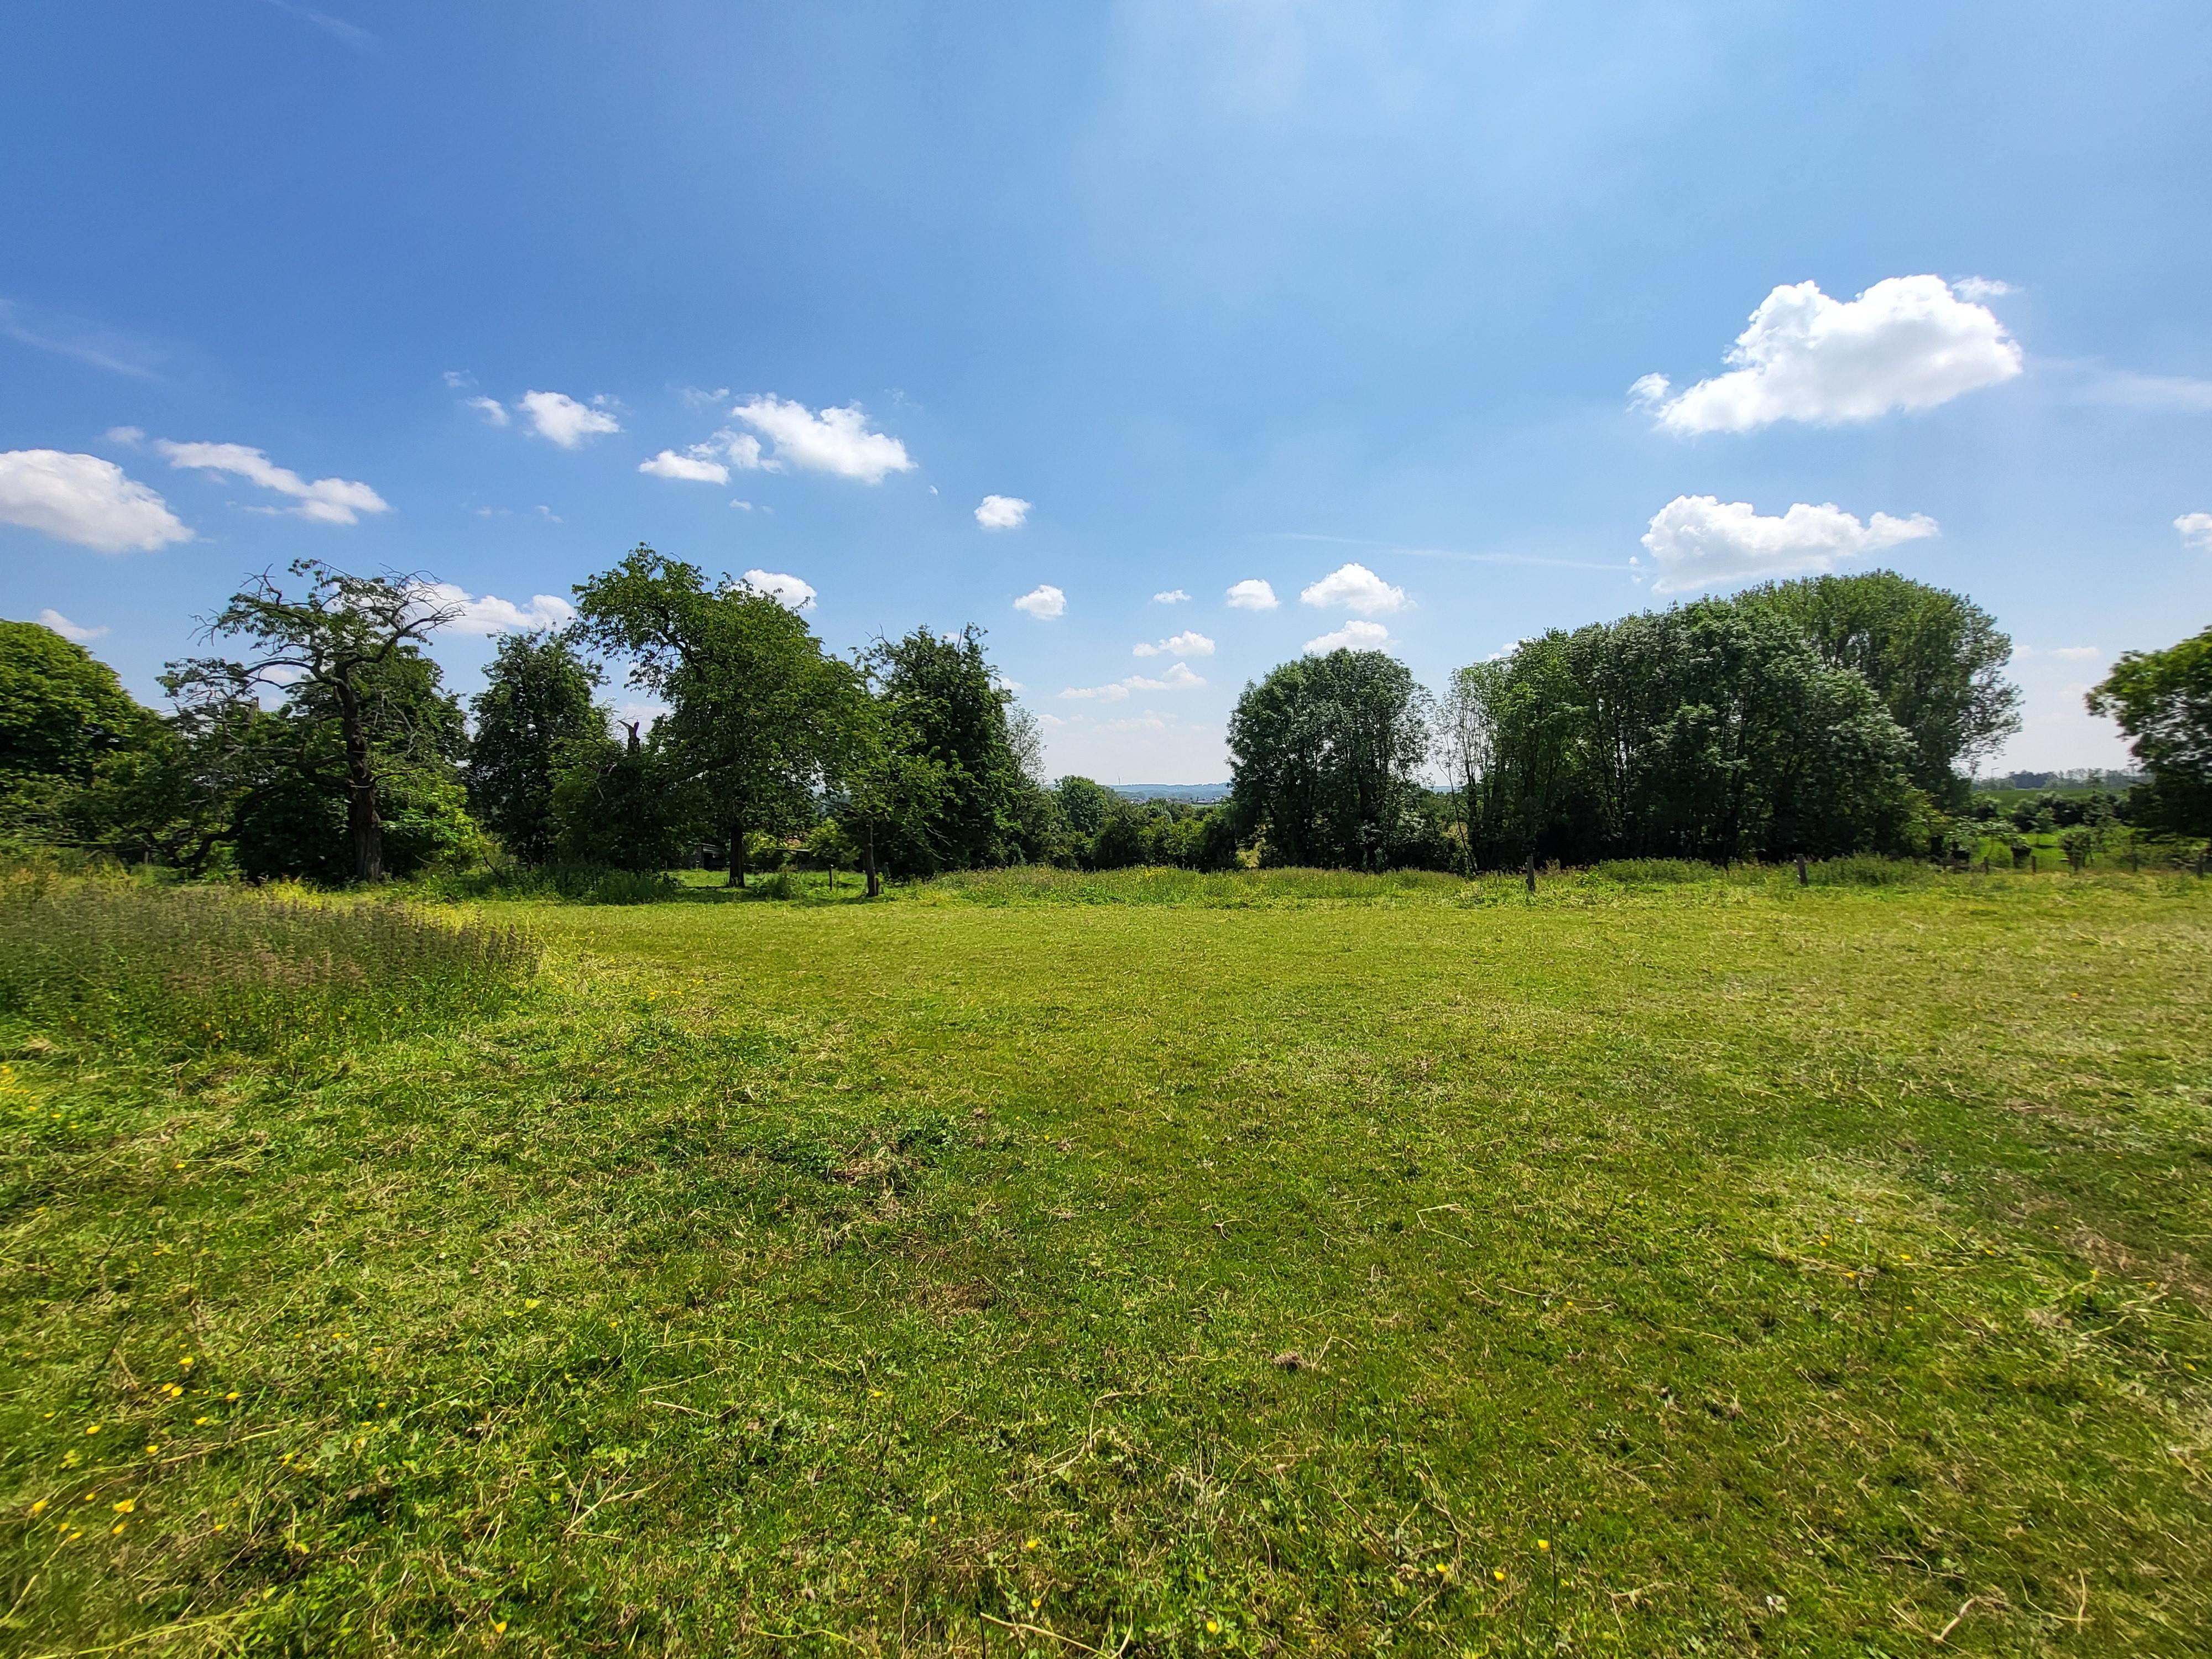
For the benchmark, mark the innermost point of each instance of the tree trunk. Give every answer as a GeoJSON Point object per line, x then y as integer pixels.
{"type": "Point", "coordinates": [868, 860]}
{"type": "Point", "coordinates": [362, 821]}
{"type": "Point", "coordinates": [737, 856]}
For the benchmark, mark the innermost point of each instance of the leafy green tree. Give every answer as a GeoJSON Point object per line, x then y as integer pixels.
{"type": "Point", "coordinates": [285, 774]}
{"type": "Point", "coordinates": [322, 646]}
{"type": "Point", "coordinates": [1516, 733]}
{"type": "Point", "coordinates": [617, 804]}
{"type": "Point", "coordinates": [947, 700]}
{"type": "Point", "coordinates": [1935, 659]}
{"type": "Point", "coordinates": [65, 720]}
{"type": "Point", "coordinates": [2163, 701]}
{"type": "Point", "coordinates": [1084, 805]}
{"type": "Point", "coordinates": [887, 788]}
{"type": "Point", "coordinates": [1712, 731]}
{"type": "Point", "coordinates": [537, 701]}
{"type": "Point", "coordinates": [756, 708]}
{"type": "Point", "coordinates": [1322, 758]}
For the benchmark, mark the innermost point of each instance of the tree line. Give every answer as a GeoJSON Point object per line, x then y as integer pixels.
{"type": "Point", "coordinates": [317, 740]}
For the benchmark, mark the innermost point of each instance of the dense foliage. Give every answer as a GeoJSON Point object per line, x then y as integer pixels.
{"type": "Point", "coordinates": [65, 718]}
{"type": "Point", "coordinates": [1936, 660]}
{"type": "Point", "coordinates": [2163, 701]}
{"type": "Point", "coordinates": [1822, 718]}
{"type": "Point", "coordinates": [335, 646]}
{"type": "Point", "coordinates": [946, 707]}
{"type": "Point", "coordinates": [1322, 758]}
{"type": "Point", "coordinates": [1714, 731]}
{"type": "Point", "coordinates": [536, 705]}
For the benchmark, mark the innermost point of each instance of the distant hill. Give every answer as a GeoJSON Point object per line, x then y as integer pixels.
{"type": "Point", "coordinates": [1198, 794]}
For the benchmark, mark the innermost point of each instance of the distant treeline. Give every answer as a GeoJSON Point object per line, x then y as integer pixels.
{"type": "Point", "coordinates": [1824, 717]}
{"type": "Point", "coordinates": [2083, 777]}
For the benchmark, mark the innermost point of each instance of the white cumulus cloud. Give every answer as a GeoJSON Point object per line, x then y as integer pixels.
{"type": "Point", "coordinates": [1252, 594]}
{"type": "Point", "coordinates": [325, 501]}
{"type": "Point", "coordinates": [496, 411]}
{"type": "Point", "coordinates": [85, 499]}
{"type": "Point", "coordinates": [1982, 288]}
{"type": "Point", "coordinates": [1700, 541]}
{"type": "Point", "coordinates": [785, 589]}
{"type": "Point", "coordinates": [1002, 512]}
{"type": "Point", "coordinates": [1355, 588]}
{"type": "Point", "coordinates": [493, 615]}
{"type": "Point", "coordinates": [1043, 602]}
{"type": "Point", "coordinates": [560, 419]}
{"type": "Point", "coordinates": [834, 440]}
{"type": "Point", "coordinates": [1172, 596]}
{"type": "Point", "coordinates": [2196, 530]}
{"type": "Point", "coordinates": [1352, 636]}
{"type": "Point", "coordinates": [695, 465]}
{"type": "Point", "coordinates": [1179, 678]}
{"type": "Point", "coordinates": [1188, 643]}
{"type": "Point", "coordinates": [68, 630]}
{"type": "Point", "coordinates": [1906, 343]}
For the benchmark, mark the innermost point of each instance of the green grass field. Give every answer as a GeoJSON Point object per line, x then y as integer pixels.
{"type": "Point", "coordinates": [1149, 1264]}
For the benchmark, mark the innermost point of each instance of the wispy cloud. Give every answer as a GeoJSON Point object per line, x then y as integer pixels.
{"type": "Point", "coordinates": [2179, 392]}
{"type": "Point", "coordinates": [1461, 555]}
{"type": "Point", "coordinates": [323, 501]}
{"type": "Point", "coordinates": [1179, 678]}
{"type": "Point", "coordinates": [70, 630]}
{"type": "Point", "coordinates": [1188, 643]}
{"type": "Point", "coordinates": [351, 34]}
{"type": "Point", "coordinates": [77, 337]}
{"type": "Point", "coordinates": [1354, 635]}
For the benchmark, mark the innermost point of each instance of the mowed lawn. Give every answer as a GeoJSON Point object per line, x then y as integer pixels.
{"type": "Point", "coordinates": [1721, 1268]}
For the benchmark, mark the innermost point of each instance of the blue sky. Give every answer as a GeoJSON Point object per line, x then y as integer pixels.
{"type": "Point", "coordinates": [1225, 292]}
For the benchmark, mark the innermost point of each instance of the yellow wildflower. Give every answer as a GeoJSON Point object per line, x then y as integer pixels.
{"type": "Point", "coordinates": [125, 1505]}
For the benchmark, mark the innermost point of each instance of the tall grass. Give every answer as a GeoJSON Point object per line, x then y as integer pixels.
{"type": "Point", "coordinates": [1233, 889]}
{"type": "Point", "coordinates": [575, 883]}
{"type": "Point", "coordinates": [186, 970]}
{"type": "Point", "coordinates": [1043, 884]}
